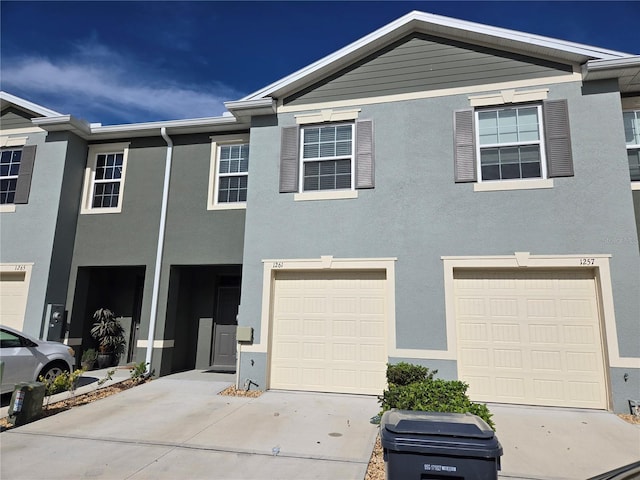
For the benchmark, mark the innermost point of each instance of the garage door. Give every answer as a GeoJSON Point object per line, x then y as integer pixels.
{"type": "Point", "coordinates": [328, 332]}
{"type": "Point", "coordinates": [13, 299]}
{"type": "Point", "coordinates": [530, 337]}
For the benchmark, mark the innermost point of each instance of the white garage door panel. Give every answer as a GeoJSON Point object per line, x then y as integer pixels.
{"type": "Point", "coordinates": [13, 299]}
{"type": "Point", "coordinates": [530, 337]}
{"type": "Point", "coordinates": [329, 332]}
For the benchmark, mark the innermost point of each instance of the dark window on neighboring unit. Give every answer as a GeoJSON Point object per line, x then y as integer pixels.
{"type": "Point", "coordinates": [16, 167]}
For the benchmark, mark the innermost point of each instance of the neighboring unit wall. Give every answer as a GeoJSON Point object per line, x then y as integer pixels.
{"type": "Point", "coordinates": [417, 214]}
{"type": "Point", "coordinates": [193, 236]}
{"type": "Point", "coordinates": [38, 235]}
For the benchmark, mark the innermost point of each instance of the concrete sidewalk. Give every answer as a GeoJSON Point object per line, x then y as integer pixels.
{"type": "Point", "coordinates": [178, 427]}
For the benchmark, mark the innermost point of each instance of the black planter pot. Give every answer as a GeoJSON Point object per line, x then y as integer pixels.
{"type": "Point", "coordinates": [105, 360]}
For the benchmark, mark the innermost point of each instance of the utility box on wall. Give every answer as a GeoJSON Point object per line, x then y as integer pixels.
{"type": "Point", "coordinates": [55, 322]}
{"type": "Point", "coordinates": [244, 334]}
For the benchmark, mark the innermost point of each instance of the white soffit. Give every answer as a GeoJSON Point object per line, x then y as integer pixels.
{"type": "Point", "coordinates": [446, 27]}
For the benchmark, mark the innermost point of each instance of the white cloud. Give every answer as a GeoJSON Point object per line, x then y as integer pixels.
{"type": "Point", "coordinates": [97, 81]}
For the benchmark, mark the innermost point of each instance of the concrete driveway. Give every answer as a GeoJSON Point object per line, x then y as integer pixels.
{"type": "Point", "coordinates": [178, 427]}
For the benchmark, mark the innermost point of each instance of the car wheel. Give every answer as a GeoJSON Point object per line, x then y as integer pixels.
{"type": "Point", "coordinates": [50, 372]}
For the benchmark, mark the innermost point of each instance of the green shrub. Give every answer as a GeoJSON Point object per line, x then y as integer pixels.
{"type": "Point", "coordinates": [64, 382]}
{"type": "Point", "coordinates": [406, 373]}
{"type": "Point", "coordinates": [139, 372]}
{"type": "Point", "coordinates": [430, 394]}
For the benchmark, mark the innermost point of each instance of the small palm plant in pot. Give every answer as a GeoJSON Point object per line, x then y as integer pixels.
{"type": "Point", "coordinates": [109, 333]}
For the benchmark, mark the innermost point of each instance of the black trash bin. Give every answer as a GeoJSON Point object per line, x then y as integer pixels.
{"type": "Point", "coordinates": [432, 445]}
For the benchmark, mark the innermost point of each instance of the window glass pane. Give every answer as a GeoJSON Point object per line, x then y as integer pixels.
{"type": "Point", "coordinates": [14, 169]}
{"type": "Point", "coordinates": [4, 170]}
{"type": "Point", "coordinates": [530, 170]}
{"type": "Point", "coordinates": [510, 162]}
{"type": "Point", "coordinates": [7, 190]}
{"type": "Point", "coordinates": [327, 149]}
{"type": "Point", "coordinates": [491, 172]}
{"type": "Point", "coordinates": [328, 134]}
{"type": "Point", "coordinates": [343, 132]}
{"type": "Point", "coordinates": [507, 126]}
{"type": "Point", "coordinates": [311, 151]}
{"type": "Point", "coordinates": [488, 127]}
{"type": "Point", "coordinates": [311, 135]}
{"type": "Point", "coordinates": [510, 171]}
{"type": "Point", "coordinates": [343, 148]}
{"type": "Point", "coordinates": [528, 124]}
{"type": "Point", "coordinates": [632, 127]}
{"type": "Point", "coordinates": [509, 155]}
{"type": "Point", "coordinates": [634, 164]}
{"type": "Point", "coordinates": [6, 156]}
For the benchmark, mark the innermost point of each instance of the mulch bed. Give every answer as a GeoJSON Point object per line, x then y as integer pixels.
{"type": "Point", "coordinates": [233, 391]}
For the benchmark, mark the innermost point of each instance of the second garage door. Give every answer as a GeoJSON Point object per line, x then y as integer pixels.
{"type": "Point", "coordinates": [13, 298]}
{"type": "Point", "coordinates": [530, 337]}
{"type": "Point", "coordinates": [328, 332]}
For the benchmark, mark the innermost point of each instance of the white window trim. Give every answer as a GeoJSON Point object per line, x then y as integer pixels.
{"type": "Point", "coordinates": [89, 176]}
{"type": "Point", "coordinates": [327, 115]}
{"type": "Point", "coordinates": [314, 194]}
{"type": "Point", "coordinates": [527, 184]}
{"type": "Point", "coordinates": [504, 97]}
{"type": "Point", "coordinates": [325, 195]}
{"type": "Point", "coordinates": [212, 192]}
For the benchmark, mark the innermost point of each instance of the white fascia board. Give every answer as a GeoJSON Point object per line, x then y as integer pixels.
{"type": "Point", "coordinates": [630, 61]}
{"type": "Point", "coordinates": [442, 26]}
{"type": "Point", "coordinates": [258, 106]}
{"type": "Point", "coordinates": [174, 127]}
{"type": "Point", "coordinates": [63, 123]}
{"type": "Point", "coordinates": [27, 105]}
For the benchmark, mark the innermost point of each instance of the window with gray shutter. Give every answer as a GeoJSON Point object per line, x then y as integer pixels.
{"type": "Point", "coordinates": [23, 184]}
{"type": "Point", "coordinates": [289, 160]}
{"type": "Point", "coordinates": [464, 148]}
{"type": "Point", "coordinates": [557, 138]}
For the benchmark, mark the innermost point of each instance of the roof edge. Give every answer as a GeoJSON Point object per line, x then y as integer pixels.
{"type": "Point", "coordinates": [27, 105]}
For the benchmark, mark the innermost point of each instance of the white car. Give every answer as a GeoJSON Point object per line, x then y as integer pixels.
{"type": "Point", "coordinates": [26, 358]}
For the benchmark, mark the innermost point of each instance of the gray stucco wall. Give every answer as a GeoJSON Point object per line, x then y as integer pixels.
{"type": "Point", "coordinates": [194, 235]}
{"type": "Point", "coordinates": [418, 214]}
{"type": "Point", "coordinates": [28, 234]}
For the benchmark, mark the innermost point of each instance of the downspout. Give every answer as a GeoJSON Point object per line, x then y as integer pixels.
{"type": "Point", "coordinates": [161, 232]}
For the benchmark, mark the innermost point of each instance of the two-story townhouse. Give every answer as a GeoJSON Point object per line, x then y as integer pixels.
{"type": "Point", "coordinates": [159, 236]}
{"type": "Point", "coordinates": [40, 177]}
{"type": "Point", "coordinates": [440, 192]}
{"type": "Point", "coordinates": [450, 194]}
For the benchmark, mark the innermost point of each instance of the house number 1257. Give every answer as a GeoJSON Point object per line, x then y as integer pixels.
{"type": "Point", "coordinates": [587, 261]}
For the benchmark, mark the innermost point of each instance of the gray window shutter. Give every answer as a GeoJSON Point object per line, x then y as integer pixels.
{"type": "Point", "coordinates": [365, 171]}
{"type": "Point", "coordinates": [464, 162]}
{"type": "Point", "coordinates": [557, 138]}
{"type": "Point", "coordinates": [289, 161]}
{"type": "Point", "coordinates": [23, 185]}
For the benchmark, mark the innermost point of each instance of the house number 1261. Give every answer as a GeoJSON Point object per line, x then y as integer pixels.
{"type": "Point", "coordinates": [278, 264]}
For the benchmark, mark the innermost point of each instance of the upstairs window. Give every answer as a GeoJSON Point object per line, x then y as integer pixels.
{"type": "Point", "coordinates": [104, 178]}
{"type": "Point", "coordinates": [327, 157]}
{"type": "Point", "coordinates": [16, 170]}
{"type": "Point", "coordinates": [327, 160]}
{"type": "Point", "coordinates": [233, 173]}
{"type": "Point", "coordinates": [9, 171]}
{"type": "Point", "coordinates": [632, 139]}
{"type": "Point", "coordinates": [509, 143]}
{"type": "Point", "coordinates": [108, 177]}
{"type": "Point", "coordinates": [513, 147]}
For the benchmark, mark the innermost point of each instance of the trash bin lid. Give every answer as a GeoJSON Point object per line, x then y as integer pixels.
{"type": "Point", "coordinates": [436, 423]}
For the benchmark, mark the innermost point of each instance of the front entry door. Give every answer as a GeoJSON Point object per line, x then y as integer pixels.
{"type": "Point", "coordinates": [224, 334]}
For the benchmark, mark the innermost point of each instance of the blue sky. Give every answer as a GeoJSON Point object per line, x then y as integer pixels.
{"type": "Point", "coordinates": [123, 62]}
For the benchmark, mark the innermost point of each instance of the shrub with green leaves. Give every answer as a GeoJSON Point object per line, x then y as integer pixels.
{"type": "Point", "coordinates": [406, 373]}
{"type": "Point", "coordinates": [429, 394]}
{"type": "Point", "coordinates": [64, 382]}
